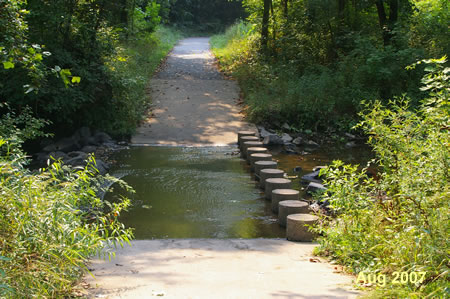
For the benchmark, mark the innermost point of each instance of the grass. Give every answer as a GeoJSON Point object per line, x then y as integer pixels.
{"type": "Point", "coordinates": [136, 61]}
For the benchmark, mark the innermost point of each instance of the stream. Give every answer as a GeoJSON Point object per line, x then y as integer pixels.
{"type": "Point", "coordinates": [207, 192]}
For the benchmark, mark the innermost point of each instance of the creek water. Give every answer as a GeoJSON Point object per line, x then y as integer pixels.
{"type": "Point", "coordinates": [207, 192]}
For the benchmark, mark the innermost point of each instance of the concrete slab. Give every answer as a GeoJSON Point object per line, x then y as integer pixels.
{"type": "Point", "coordinates": [214, 268]}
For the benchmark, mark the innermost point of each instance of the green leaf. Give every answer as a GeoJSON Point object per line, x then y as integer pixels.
{"type": "Point", "coordinates": [8, 65]}
{"type": "Point", "coordinates": [76, 79]}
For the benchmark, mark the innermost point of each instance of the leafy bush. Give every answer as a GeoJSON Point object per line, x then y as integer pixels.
{"type": "Point", "coordinates": [51, 221]}
{"type": "Point", "coordinates": [398, 221]}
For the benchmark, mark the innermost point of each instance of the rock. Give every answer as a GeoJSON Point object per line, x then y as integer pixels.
{"type": "Point", "coordinates": [122, 143]}
{"type": "Point", "coordinates": [101, 166]}
{"type": "Point", "coordinates": [58, 155]}
{"type": "Point", "coordinates": [88, 148]}
{"type": "Point", "coordinates": [350, 144]}
{"type": "Point", "coordinates": [312, 177]}
{"type": "Point", "coordinates": [315, 187]}
{"type": "Point", "coordinates": [286, 127]}
{"type": "Point", "coordinates": [297, 169]}
{"type": "Point", "coordinates": [63, 145]}
{"type": "Point", "coordinates": [273, 139]}
{"type": "Point", "coordinates": [297, 141]}
{"type": "Point", "coordinates": [82, 135]}
{"type": "Point", "coordinates": [286, 138]}
{"type": "Point", "coordinates": [350, 136]}
{"type": "Point", "coordinates": [263, 133]}
{"type": "Point", "coordinates": [290, 148]}
{"type": "Point", "coordinates": [76, 158]}
{"type": "Point", "coordinates": [102, 137]}
{"type": "Point", "coordinates": [312, 143]}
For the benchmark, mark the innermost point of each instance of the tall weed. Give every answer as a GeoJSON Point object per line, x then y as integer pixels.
{"type": "Point", "coordinates": [398, 221]}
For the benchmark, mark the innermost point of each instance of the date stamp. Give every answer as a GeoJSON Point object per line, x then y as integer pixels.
{"type": "Point", "coordinates": [395, 278]}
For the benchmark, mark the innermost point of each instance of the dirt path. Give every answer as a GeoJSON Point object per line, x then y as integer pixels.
{"type": "Point", "coordinates": [193, 103]}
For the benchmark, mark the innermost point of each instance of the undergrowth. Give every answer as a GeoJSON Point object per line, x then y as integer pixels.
{"type": "Point", "coordinates": [309, 95]}
{"type": "Point", "coordinates": [51, 221]}
{"type": "Point", "coordinates": [399, 220]}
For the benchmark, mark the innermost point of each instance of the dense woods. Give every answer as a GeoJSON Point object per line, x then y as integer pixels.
{"type": "Point", "coordinates": [312, 62]}
{"type": "Point", "coordinates": [322, 66]}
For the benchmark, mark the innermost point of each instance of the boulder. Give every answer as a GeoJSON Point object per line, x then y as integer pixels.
{"type": "Point", "coordinates": [286, 126]}
{"type": "Point", "coordinates": [101, 166]}
{"type": "Point", "coordinates": [297, 141]}
{"type": "Point", "coordinates": [63, 145]}
{"type": "Point", "coordinates": [82, 135]}
{"type": "Point", "coordinates": [263, 133]}
{"type": "Point", "coordinates": [88, 148]}
{"type": "Point", "coordinates": [273, 139]}
{"type": "Point", "coordinates": [315, 187]}
{"type": "Point", "coordinates": [102, 137]}
{"type": "Point", "coordinates": [312, 177]}
{"type": "Point", "coordinates": [311, 143]}
{"type": "Point", "coordinates": [58, 155]}
{"type": "Point", "coordinates": [286, 138]}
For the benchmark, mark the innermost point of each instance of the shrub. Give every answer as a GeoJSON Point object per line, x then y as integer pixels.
{"type": "Point", "coordinates": [51, 221]}
{"type": "Point", "coordinates": [400, 220]}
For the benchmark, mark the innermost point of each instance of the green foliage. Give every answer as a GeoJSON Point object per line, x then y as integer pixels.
{"type": "Point", "coordinates": [323, 57]}
{"type": "Point", "coordinates": [51, 221]}
{"type": "Point", "coordinates": [398, 221]}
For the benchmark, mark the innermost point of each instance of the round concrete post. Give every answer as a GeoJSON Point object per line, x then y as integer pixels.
{"type": "Point", "coordinates": [255, 150]}
{"type": "Point", "coordinates": [288, 207]}
{"type": "Point", "coordinates": [258, 157]}
{"type": "Point", "coordinates": [282, 194]}
{"type": "Point", "coordinates": [265, 174]}
{"type": "Point", "coordinates": [245, 139]}
{"type": "Point", "coordinates": [244, 133]}
{"type": "Point", "coordinates": [248, 144]}
{"type": "Point", "coordinates": [276, 183]}
{"type": "Point", "coordinates": [258, 165]}
{"type": "Point", "coordinates": [297, 227]}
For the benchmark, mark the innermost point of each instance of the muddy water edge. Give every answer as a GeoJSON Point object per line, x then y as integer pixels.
{"type": "Point", "coordinates": [208, 192]}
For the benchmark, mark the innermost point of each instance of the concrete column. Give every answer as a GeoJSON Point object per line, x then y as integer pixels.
{"type": "Point", "coordinates": [248, 144]}
{"type": "Point", "coordinates": [258, 157]}
{"type": "Point", "coordinates": [258, 165]}
{"type": "Point", "coordinates": [245, 139]}
{"type": "Point", "coordinates": [267, 174]}
{"type": "Point", "coordinates": [297, 227]}
{"type": "Point", "coordinates": [276, 183]}
{"type": "Point", "coordinates": [255, 150]}
{"type": "Point", "coordinates": [244, 133]}
{"type": "Point", "coordinates": [283, 194]}
{"type": "Point", "coordinates": [288, 207]}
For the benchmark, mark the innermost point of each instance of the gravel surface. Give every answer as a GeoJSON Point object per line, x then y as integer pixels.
{"type": "Point", "coordinates": [193, 104]}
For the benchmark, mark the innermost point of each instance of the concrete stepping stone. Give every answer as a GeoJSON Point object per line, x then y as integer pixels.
{"type": "Point", "coordinates": [255, 150]}
{"type": "Point", "coordinates": [244, 133]}
{"type": "Point", "coordinates": [297, 227]}
{"type": "Point", "coordinates": [281, 195]}
{"type": "Point", "coordinates": [259, 157]}
{"type": "Point", "coordinates": [265, 174]}
{"type": "Point", "coordinates": [276, 183]}
{"type": "Point", "coordinates": [248, 144]}
{"type": "Point", "coordinates": [288, 207]}
{"type": "Point", "coordinates": [258, 165]}
{"type": "Point", "coordinates": [245, 139]}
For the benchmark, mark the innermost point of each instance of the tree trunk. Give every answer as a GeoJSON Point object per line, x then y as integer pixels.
{"type": "Point", "coordinates": [387, 24]}
{"type": "Point", "coordinates": [265, 24]}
